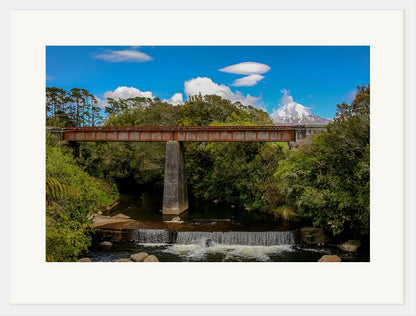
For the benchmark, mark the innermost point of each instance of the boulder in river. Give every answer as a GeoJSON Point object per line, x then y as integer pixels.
{"type": "Point", "coordinates": [106, 244]}
{"type": "Point", "coordinates": [139, 257]}
{"type": "Point", "coordinates": [330, 258]}
{"type": "Point", "coordinates": [123, 260]}
{"type": "Point", "coordinates": [84, 260]}
{"type": "Point", "coordinates": [121, 216]}
{"type": "Point", "coordinates": [176, 220]}
{"type": "Point", "coordinates": [151, 258]}
{"type": "Point", "coordinates": [350, 245]}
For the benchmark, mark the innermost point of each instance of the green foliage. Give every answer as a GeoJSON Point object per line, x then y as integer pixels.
{"type": "Point", "coordinates": [55, 190]}
{"type": "Point", "coordinates": [238, 173]}
{"type": "Point", "coordinates": [328, 179]}
{"type": "Point", "coordinates": [142, 161]}
{"type": "Point", "coordinates": [71, 195]}
{"type": "Point", "coordinates": [206, 110]}
{"type": "Point", "coordinates": [76, 107]}
{"type": "Point", "coordinates": [141, 111]}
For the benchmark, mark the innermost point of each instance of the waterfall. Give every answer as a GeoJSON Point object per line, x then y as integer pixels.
{"type": "Point", "coordinates": [153, 236]}
{"type": "Point", "coordinates": [270, 238]}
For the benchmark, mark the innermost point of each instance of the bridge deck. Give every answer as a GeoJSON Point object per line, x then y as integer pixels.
{"type": "Point", "coordinates": [166, 133]}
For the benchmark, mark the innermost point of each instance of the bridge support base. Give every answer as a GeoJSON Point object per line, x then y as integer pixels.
{"type": "Point", "coordinates": [175, 192]}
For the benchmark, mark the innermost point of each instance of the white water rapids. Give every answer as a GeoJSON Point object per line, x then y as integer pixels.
{"type": "Point", "coordinates": [231, 245]}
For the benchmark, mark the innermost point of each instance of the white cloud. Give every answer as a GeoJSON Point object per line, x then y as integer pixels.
{"type": "Point", "coordinates": [247, 68]}
{"type": "Point", "coordinates": [351, 95]}
{"type": "Point", "coordinates": [176, 99]}
{"type": "Point", "coordinates": [205, 86]}
{"type": "Point", "coordinates": [124, 93]}
{"type": "Point", "coordinates": [129, 55]}
{"type": "Point", "coordinates": [248, 81]}
{"type": "Point", "coordinates": [286, 98]}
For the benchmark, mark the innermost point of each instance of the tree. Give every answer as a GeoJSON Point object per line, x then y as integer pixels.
{"type": "Point", "coordinates": [56, 100]}
{"type": "Point", "coordinates": [77, 107]}
{"type": "Point", "coordinates": [93, 112]}
{"type": "Point", "coordinates": [327, 179]}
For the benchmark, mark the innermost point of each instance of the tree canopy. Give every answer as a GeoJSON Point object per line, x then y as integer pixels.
{"type": "Point", "coordinates": [76, 107]}
{"type": "Point", "coordinates": [327, 180]}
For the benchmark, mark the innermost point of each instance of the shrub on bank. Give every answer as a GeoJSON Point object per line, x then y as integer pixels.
{"type": "Point", "coordinates": [71, 195]}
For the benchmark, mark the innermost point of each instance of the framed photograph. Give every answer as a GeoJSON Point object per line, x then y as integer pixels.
{"type": "Point", "coordinates": [236, 93]}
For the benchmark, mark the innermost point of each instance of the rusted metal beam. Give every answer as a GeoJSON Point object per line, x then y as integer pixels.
{"type": "Point", "coordinates": [187, 134]}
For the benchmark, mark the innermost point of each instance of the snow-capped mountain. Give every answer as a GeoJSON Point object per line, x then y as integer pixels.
{"type": "Point", "coordinates": [295, 113]}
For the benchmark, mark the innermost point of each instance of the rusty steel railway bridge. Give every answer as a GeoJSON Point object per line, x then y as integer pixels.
{"type": "Point", "coordinates": [175, 193]}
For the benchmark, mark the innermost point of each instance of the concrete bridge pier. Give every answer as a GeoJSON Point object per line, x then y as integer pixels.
{"type": "Point", "coordinates": [175, 192]}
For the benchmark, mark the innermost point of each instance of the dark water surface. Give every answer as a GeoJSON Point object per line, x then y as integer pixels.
{"type": "Point", "coordinates": [147, 208]}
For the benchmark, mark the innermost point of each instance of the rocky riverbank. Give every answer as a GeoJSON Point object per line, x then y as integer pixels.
{"type": "Point", "coordinates": [137, 257]}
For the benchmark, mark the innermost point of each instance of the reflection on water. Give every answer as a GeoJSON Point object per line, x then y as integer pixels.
{"type": "Point", "coordinates": [207, 216]}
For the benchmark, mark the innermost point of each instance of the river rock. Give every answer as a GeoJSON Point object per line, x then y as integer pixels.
{"type": "Point", "coordinates": [330, 258]}
{"type": "Point", "coordinates": [176, 219]}
{"type": "Point", "coordinates": [139, 257]}
{"type": "Point", "coordinates": [121, 216]}
{"type": "Point", "coordinates": [106, 244]}
{"type": "Point", "coordinates": [124, 260]}
{"type": "Point", "coordinates": [84, 260]}
{"type": "Point", "coordinates": [151, 258]}
{"type": "Point", "coordinates": [350, 245]}
{"type": "Point", "coordinates": [313, 235]}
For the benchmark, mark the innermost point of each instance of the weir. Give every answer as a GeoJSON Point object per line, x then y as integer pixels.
{"type": "Point", "coordinates": [268, 238]}
{"type": "Point", "coordinates": [153, 236]}
{"type": "Point", "coordinates": [175, 194]}
{"type": "Point", "coordinates": [271, 238]}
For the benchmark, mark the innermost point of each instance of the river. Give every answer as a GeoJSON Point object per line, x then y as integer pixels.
{"type": "Point", "coordinates": [211, 232]}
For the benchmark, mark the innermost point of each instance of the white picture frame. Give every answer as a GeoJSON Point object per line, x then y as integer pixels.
{"type": "Point", "coordinates": [36, 287]}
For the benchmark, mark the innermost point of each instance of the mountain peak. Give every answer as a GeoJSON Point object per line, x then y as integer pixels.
{"type": "Point", "coordinates": [295, 113]}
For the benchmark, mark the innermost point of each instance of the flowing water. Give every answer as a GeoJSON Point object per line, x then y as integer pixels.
{"type": "Point", "coordinates": [209, 233]}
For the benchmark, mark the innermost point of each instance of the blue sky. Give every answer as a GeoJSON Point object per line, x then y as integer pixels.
{"type": "Point", "coordinates": [318, 77]}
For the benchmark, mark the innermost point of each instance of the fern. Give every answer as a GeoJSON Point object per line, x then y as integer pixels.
{"type": "Point", "coordinates": [55, 189]}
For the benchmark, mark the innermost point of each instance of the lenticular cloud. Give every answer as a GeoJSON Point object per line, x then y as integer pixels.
{"type": "Point", "coordinates": [247, 68]}
{"type": "Point", "coordinates": [127, 55]}
{"type": "Point", "coordinates": [247, 81]}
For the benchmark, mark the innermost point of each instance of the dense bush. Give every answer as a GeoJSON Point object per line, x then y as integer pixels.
{"type": "Point", "coordinates": [328, 179]}
{"type": "Point", "coordinates": [71, 195]}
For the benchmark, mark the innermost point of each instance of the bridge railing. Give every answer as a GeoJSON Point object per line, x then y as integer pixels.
{"type": "Point", "coordinates": [285, 133]}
